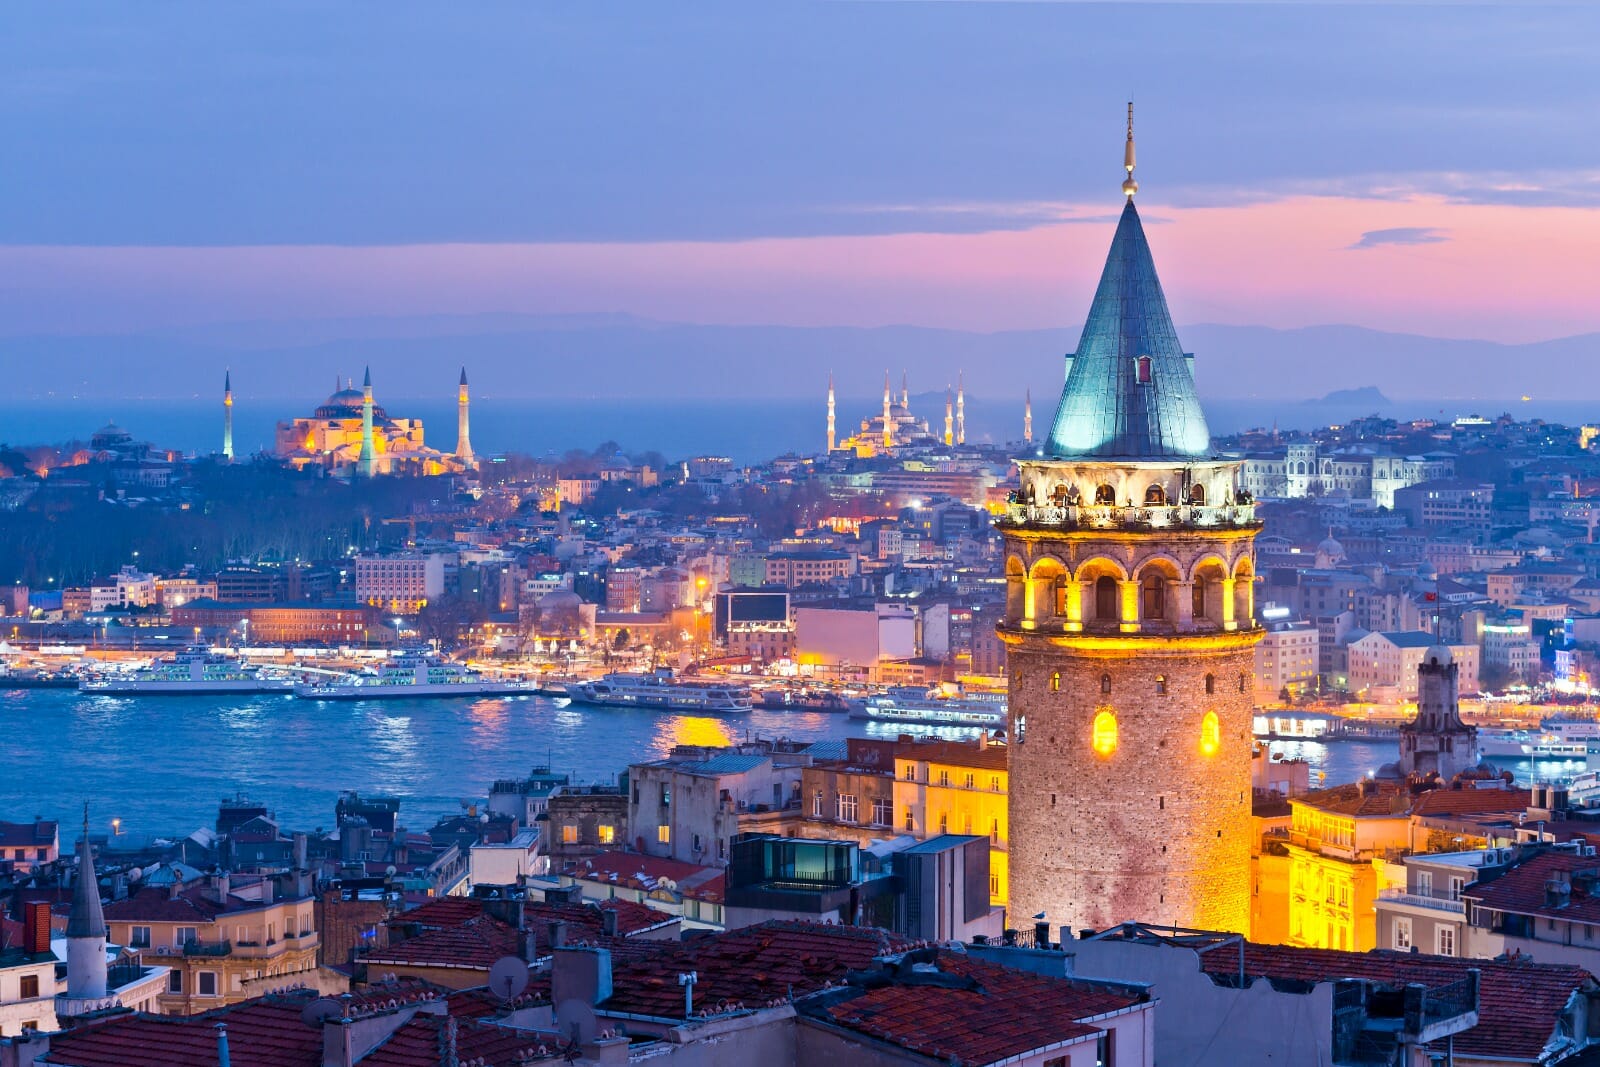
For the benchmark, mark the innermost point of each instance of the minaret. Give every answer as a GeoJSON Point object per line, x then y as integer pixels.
{"type": "Point", "coordinates": [463, 440]}
{"type": "Point", "coordinates": [1130, 634]}
{"type": "Point", "coordinates": [86, 928]}
{"type": "Point", "coordinates": [1027, 416]}
{"type": "Point", "coordinates": [961, 407]}
{"type": "Point", "coordinates": [227, 415]}
{"type": "Point", "coordinates": [830, 411]}
{"type": "Point", "coordinates": [888, 416]}
{"type": "Point", "coordinates": [367, 462]}
{"type": "Point", "coordinates": [949, 419]}
{"type": "Point", "coordinates": [905, 391]}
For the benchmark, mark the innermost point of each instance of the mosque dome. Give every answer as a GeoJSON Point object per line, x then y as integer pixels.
{"type": "Point", "coordinates": [1331, 548]}
{"type": "Point", "coordinates": [346, 404]}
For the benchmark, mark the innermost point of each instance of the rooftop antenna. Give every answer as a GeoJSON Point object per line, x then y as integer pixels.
{"type": "Point", "coordinates": [1129, 186]}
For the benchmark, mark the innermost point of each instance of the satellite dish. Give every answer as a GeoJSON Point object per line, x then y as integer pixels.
{"type": "Point", "coordinates": [134, 874]}
{"type": "Point", "coordinates": [320, 1011]}
{"type": "Point", "coordinates": [575, 1020]}
{"type": "Point", "coordinates": [391, 870]}
{"type": "Point", "coordinates": [508, 977]}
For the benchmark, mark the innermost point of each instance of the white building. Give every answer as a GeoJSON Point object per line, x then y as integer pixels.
{"type": "Point", "coordinates": [1388, 661]}
{"type": "Point", "coordinates": [506, 863]}
{"type": "Point", "coordinates": [1286, 658]}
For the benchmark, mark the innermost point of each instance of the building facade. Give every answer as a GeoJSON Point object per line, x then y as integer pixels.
{"type": "Point", "coordinates": [1131, 634]}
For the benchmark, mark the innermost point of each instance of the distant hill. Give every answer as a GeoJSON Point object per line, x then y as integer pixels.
{"type": "Point", "coordinates": [1369, 395]}
{"type": "Point", "coordinates": [525, 356]}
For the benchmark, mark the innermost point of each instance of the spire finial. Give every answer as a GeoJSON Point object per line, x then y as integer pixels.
{"type": "Point", "coordinates": [1129, 186]}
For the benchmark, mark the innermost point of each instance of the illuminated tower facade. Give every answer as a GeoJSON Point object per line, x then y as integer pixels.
{"type": "Point", "coordinates": [367, 461]}
{"type": "Point", "coordinates": [830, 412]}
{"type": "Point", "coordinates": [227, 416]}
{"type": "Point", "coordinates": [463, 436]}
{"type": "Point", "coordinates": [1130, 632]}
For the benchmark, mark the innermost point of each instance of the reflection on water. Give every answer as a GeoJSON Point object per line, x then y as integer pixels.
{"type": "Point", "coordinates": [692, 730]}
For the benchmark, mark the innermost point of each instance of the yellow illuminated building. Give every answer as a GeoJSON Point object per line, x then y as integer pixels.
{"type": "Point", "coordinates": [956, 788]}
{"type": "Point", "coordinates": [222, 945]}
{"type": "Point", "coordinates": [1341, 845]}
{"type": "Point", "coordinates": [332, 438]}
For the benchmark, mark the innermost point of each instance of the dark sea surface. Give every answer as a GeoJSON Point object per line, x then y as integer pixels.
{"type": "Point", "coordinates": [749, 431]}
{"type": "Point", "coordinates": [161, 764]}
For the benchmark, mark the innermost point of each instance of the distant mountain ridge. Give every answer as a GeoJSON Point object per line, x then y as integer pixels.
{"type": "Point", "coordinates": [599, 355]}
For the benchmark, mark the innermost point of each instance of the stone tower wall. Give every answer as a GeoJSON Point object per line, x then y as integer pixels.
{"type": "Point", "coordinates": [1157, 830]}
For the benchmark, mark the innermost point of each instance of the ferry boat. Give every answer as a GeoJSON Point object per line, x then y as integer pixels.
{"type": "Point", "coordinates": [659, 690]}
{"type": "Point", "coordinates": [1577, 742]}
{"type": "Point", "coordinates": [37, 679]}
{"type": "Point", "coordinates": [409, 676]}
{"type": "Point", "coordinates": [935, 707]}
{"type": "Point", "coordinates": [791, 700]}
{"type": "Point", "coordinates": [196, 671]}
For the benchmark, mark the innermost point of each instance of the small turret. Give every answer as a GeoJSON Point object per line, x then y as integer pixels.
{"type": "Point", "coordinates": [227, 415]}
{"type": "Point", "coordinates": [86, 928]}
{"type": "Point", "coordinates": [463, 427]}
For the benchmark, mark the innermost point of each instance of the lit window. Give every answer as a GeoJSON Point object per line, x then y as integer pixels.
{"type": "Point", "coordinates": [1161, 685]}
{"type": "Point", "coordinates": [569, 834]}
{"type": "Point", "coordinates": [1210, 734]}
{"type": "Point", "coordinates": [1055, 682]}
{"type": "Point", "coordinates": [608, 834]}
{"type": "Point", "coordinates": [1105, 733]}
{"type": "Point", "coordinates": [1211, 684]}
{"type": "Point", "coordinates": [664, 834]}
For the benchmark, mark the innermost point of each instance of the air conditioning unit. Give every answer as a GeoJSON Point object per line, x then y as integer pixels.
{"type": "Point", "coordinates": [163, 950]}
{"type": "Point", "coordinates": [1588, 850]}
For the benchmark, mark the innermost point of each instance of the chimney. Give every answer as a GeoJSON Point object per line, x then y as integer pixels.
{"type": "Point", "coordinates": [1041, 935]}
{"type": "Point", "coordinates": [223, 884]}
{"type": "Point", "coordinates": [580, 974]}
{"type": "Point", "coordinates": [608, 921]}
{"type": "Point", "coordinates": [36, 926]}
{"type": "Point", "coordinates": [300, 852]}
{"type": "Point", "coordinates": [1557, 894]}
{"type": "Point", "coordinates": [556, 933]}
{"type": "Point", "coordinates": [176, 887]}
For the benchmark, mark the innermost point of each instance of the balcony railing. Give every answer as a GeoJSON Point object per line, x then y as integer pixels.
{"type": "Point", "coordinates": [208, 948]}
{"type": "Point", "coordinates": [1435, 899]}
{"type": "Point", "coordinates": [1115, 517]}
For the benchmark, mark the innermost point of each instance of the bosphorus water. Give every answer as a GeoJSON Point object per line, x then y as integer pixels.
{"type": "Point", "coordinates": [161, 764]}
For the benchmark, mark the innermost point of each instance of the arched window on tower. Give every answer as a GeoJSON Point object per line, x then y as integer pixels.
{"type": "Point", "coordinates": [1105, 685]}
{"type": "Point", "coordinates": [1161, 685]}
{"type": "Point", "coordinates": [1197, 494]}
{"type": "Point", "coordinates": [1155, 597]}
{"type": "Point", "coordinates": [1142, 371]}
{"type": "Point", "coordinates": [1105, 599]}
{"type": "Point", "coordinates": [1104, 738]}
{"type": "Point", "coordinates": [1199, 598]}
{"type": "Point", "coordinates": [1055, 682]}
{"type": "Point", "coordinates": [1244, 682]}
{"type": "Point", "coordinates": [1104, 495]}
{"type": "Point", "coordinates": [1211, 684]}
{"type": "Point", "coordinates": [1210, 734]}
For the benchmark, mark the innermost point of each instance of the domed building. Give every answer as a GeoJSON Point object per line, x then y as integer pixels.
{"type": "Point", "coordinates": [351, 434]}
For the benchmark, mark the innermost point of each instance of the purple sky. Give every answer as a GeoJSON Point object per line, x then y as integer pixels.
{"type": "Point", "coordinates": [1427, 168]}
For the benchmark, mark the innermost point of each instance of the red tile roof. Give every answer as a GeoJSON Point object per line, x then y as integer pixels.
{"type": "Point", "coordinates": [1521, 890]}
{"type": "Point", "coordinates": [753, 966]}
{"type": "Point", "coordinates": [647, 873]}
{"type": "Point", "coordinates": [261, 1033]}
{"type": "Point", "coordinates": [1518, 1002]}
{"type": "Point", "coordinates": [439, 912]}
{"type": "Point", "coordinates": [418, 1043]}
{"type": "Point", "coordinates": [1003, 1013]}
{"type": "Point", "coordinates": [1393, 799]}
{"type": "Point", "coordinates": [480, 940]}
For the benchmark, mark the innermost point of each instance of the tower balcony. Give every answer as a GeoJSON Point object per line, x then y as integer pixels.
{"type": "Point", "coordinates": [1089, 517]}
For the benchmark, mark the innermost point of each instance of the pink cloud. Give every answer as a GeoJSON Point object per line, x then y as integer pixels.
{"type": "Point", "coordinates": [1506, 273]}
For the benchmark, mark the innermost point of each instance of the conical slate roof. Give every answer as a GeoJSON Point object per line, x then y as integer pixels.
{"type": "Point", "coordinates": [1109, 410]}
{"type": "Point", "coordinates": [86, 918]}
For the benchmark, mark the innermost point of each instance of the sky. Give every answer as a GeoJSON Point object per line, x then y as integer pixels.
{"type": "Point", "coordinates": [1421, 168]}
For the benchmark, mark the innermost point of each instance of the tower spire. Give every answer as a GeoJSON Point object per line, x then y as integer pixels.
{"type": "Point", "coordinates": [366, 462]}
{"type": "Point", "coordinates": [86, 927]}
{"type": "Point", "coordinates": [1129, 186]}
{"type": "Point", "coordinates": [961, 407]}
{"type": "Point", "coordinates": [227, 415]}
{"type": "Point", "coordinates": [949, 419]}
{"type": "Point", "coordinates": [463, 437]}
{"type": "Point", "coordinates": [905, 390]}
{"type": "Point", "coordinates": [888, 416]}
{"type": "Point", "coordinates": [1027, 416]}
{"type": "Point", "coordinates": [830, 411]}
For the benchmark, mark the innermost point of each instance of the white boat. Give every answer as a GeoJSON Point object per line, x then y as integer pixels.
{"type": "Point", "coordinates": [1584, 791]}
{"type": "Point", "coordinates": [1576, 743]}
{"type": "Point", "coordinates": [660, 691]}
{"type": "Point", "coordinates": [412, 675]}
{"type": "Point", "coordinates": [195, 671]}
{"type": "Point", "coordinates": [935, 707]}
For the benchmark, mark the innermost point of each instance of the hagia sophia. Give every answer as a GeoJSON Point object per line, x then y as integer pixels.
{"type": "Point", "coordinates": [350, 435]}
